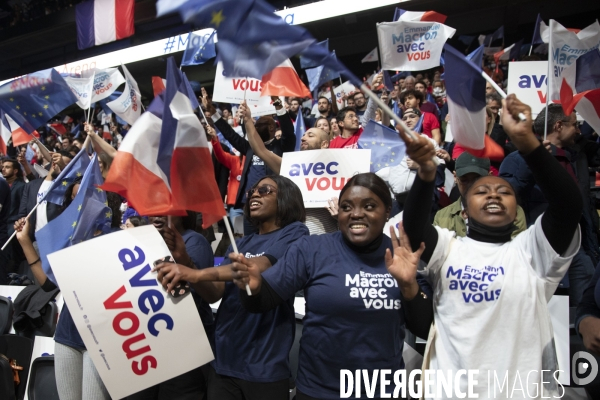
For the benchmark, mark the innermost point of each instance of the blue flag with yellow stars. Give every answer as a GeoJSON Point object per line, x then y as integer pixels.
{"type": "Point", "coordinates": [87, 216]}
{"type": "Point", "coordinates": [387, 148]}
{"type": "Point", "coordinates": [33, 99]}
{"type": "Point", "coordinates": [252, 39]}
{"type": "Point", "coordinates": [320, 75]}
{"type": "Point", "coordinates": [309, 63]}
{"type": "Point", "coordinates": [73, 171]}
{"type": "Point", "coordinates": [199, 49]}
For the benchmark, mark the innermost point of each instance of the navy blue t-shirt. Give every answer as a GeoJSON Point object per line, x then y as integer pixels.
{"type": "Point", "coordinates": [66, 333]}
{"type": "Point", "coordinates": [256, 171]}
{"type": "Point", "coordinates": [353, 310]}
{"type": "Point", "coordinates": [255, 347]}
{"type": "Point", "coordinates": [201, 254]}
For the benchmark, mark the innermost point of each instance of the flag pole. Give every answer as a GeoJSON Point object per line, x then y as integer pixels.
{"type": "Point", "coordinates": [549, 81]}
{"type": "Point", "coordinates": [392, 115]}
{"type": "Point", "coordinates": [234, 246]}
{"type": "Point", "coordinates": [15, 232]}
{"type": "Point", "coordinates": [501, 92]}
{"type": "Point", "coordinates": [91, 93]}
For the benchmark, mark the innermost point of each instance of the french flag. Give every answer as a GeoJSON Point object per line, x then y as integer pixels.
{"type": "Point", "coordinates": [512, 52]}
{"type": "Point", "coordinates": [465, 94]}
{"type": "Point", "coordinates": [164, 166]}
{"type": "Point", "coordinates": [423, 16]}
{"type": "Point", "coordinates": [67, 120]}
{"type": "Point", "coordinates": [580, 88]}
{"type": "Point", "coordinates": [283, 80]}
{"type": "Point", "coordinates": [103, 21]}
{"type": "Point", "coordinates": [18, 134]}
{"type": "Point", "coordinates": [465, 91]}
{"type": "Point", "coordinates": [5, 133]}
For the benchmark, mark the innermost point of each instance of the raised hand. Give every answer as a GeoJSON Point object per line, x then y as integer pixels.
{"type": "Point", "coordinates": [520, 132]}
{"type": "Point", "coordinates": [403, 264]}
{"type": "Point", "coordinates": [245, 272]}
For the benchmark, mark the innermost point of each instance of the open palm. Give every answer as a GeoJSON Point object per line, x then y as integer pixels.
{"type": "Point", "coordinates": [403, 264]}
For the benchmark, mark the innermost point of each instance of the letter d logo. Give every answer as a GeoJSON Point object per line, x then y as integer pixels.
{"type": "Point", "coordinates": [584, 368]}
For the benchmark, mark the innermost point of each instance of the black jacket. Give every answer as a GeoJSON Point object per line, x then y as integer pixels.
{"type": "Point", "coordinates": [29, 200]}
{"type": "Point", "coordinates": [286, 143]}
{"type": "Point", "coordinates": [28, 305]}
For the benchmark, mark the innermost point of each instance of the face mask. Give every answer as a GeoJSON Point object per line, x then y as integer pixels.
{"type": "Point", "coordinates": [493, 65]}
{"type": "Point", "coordinates": [123, 207]}
{"type": "Point", "coordinates": [437, 90]}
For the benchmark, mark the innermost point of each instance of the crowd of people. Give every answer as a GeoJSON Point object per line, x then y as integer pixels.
{"type": "Point", "coordinates": [513, 230]}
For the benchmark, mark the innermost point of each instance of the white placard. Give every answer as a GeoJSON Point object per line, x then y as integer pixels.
{"type": "Point", "coordinates": [321, 174]}
{"type": "Point", "coordinates": [528, 81]}
{"type": "Point", "coordinates": [343, 90]}
{"type": "Point", "coordinates": [412, 45]}
{"type": "Point", "coordinates": [136, 334]}
{"type": "Point", "coordinates": [234, 90]}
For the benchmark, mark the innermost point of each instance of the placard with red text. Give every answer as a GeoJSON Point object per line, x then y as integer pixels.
{"type": "Point", "coordinates": [321, 174]}
{"type": "Point", "coordinates": [136, 334]}
{"type": "Point", "coordinates": [235, 90]}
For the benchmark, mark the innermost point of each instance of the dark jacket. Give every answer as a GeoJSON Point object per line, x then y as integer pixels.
{"type": "Point", "coordinates": [29, 200]}
{"type": "Point", "coordinates": [28, 305]}
{"type": "Point", "coordinates": [286, 143]}
{"type": "Point", "coordinates": [16, 193]}
{"type": "Point", "coordinates": [580, 157]}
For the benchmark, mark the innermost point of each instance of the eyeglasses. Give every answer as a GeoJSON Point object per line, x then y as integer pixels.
{"type": "Point", "coordinates": [262, 191]}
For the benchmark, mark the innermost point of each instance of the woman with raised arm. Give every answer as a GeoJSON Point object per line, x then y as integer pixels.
{"type": "Point", "coordinates": [251, 351]}
{"type": "Point", "coordinates": [491, 291]}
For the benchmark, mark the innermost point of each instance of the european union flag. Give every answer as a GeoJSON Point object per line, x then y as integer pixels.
{"type": "Point", "coordinates": [387, 149]}
{"type": "Point", "coordinates": [33, 99]}
{"type": "Point", "coordinates": [74, 170]}
{"type": "Point", "coordinates": [307, 62]}
{"type": "Point", "coordinates": [320, 75]}
{"type": "Point", "coordinates": [252, 39]}
{"type": "Point", "coordinates": [328, 59]}
{"type": "Point", "coordinates": [87, 216]}
{"type": "Point", "coordinates": [199, 50]}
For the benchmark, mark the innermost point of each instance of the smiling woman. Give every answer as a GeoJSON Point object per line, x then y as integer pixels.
{"type": "Point", "coordinates": [356, 312]}
{"type": "Point", "coordinates": [251, 350]}
{"type": "Point", "coordinates": [492, 291]}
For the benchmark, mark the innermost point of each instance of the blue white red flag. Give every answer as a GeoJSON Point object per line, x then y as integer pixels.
{"type": "Point", "coordinates": [164, 166]}
{"type": "Point", "coordinates": [425, 16]}
{"type": "Point", "coordinates": [465, 91]}
{"type": "Point", "coordinates": [103, 21]}
{"type": "Point", "coordinates": [299, 130]}
{"type": "Point", "coordinates": [580, 89]}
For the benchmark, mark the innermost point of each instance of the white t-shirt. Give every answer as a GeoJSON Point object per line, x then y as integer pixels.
{"type": "Point", "coordinates": [491, 314]}
{"type": "Point", "coordinates": [41, 216]}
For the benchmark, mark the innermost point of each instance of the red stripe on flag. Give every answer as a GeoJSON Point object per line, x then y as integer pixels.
{"type": "Point", "coordinates": [145, 191]}
{"type": "Point", "coordinates": [157, 85]}
{"type": "Point", "coordinates": [566, 97]}
{"type": "Point", "coordinates": [193, 183]}
{"type": "Point", "coordinates": [594, 97]}
{"type": "Point", "coordinates": [432, 16]}
{"type": "Point", "coordinates": [19, 136]}
{"type": "Point", "coordinates": [283, 81]}
{"type": "Point", "coordinates": [124, 18]}
{"type": "Point", "coordinates": [2, 147]}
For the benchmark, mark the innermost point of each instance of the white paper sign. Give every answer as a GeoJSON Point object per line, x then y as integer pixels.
{"type": "Point", "coordinates": [528, 81]}
{"type": "Point", "coordinates": [343, 90]}
{"type": "Point", "coordinates": [412, 45]}
{"type": "Point", "coordinates": [136, 334]}
{"type": "Point", "coordinates": [106, 81]}
{"type": "Point", "coordinates": [321, 174]}
{"type": "Point", "coordinates": [234, 90]}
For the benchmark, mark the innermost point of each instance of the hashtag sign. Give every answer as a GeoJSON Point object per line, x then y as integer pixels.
{"type": "Point", "coordinates": [169, 45]}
